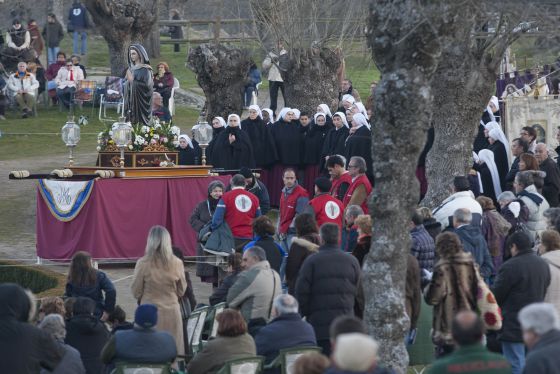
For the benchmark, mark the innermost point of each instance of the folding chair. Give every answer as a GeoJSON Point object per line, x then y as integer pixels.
{"type": "Point", "coordinates": [287, 357]}
{"type": "Point", "coordinates": [131, 368]}
{"type": "Point", "coordinates": [195, 325]}
{"type": "Point", "coordinates": [211, 325]}
{"type": "Point", "coordinates": [421, 353]}
{"type": "Point", "coordinates": [113, 96]}
{"type": "Point", "coordinates": [172, 97]}
{"type": "Point", "coordinates": [85, 92]}
{"type": "Point", "coordinates": [247, 365]}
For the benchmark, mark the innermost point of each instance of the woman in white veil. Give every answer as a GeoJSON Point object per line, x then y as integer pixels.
{"type": "Point", "coordinates": [489, 175]}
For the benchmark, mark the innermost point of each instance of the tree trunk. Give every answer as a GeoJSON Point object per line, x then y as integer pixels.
{"type": "Point", "coordinates": [221, 72]}
{"type": "Point", "coordinates": [122, 22]}
{"type": "Point", "coordinates": [310, 78]}
{"type": "Point", "coordinates": [152, 44]}
{"type": "Point", "coordinates": [406, 49]}
{"type": "Point", "coordinates": [57, 7]}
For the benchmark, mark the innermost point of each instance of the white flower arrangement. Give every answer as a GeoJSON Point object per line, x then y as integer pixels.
{"type": "Point", "coordinates": [139, 140]}
{"type": "Point", "coordinates": [175, 130]}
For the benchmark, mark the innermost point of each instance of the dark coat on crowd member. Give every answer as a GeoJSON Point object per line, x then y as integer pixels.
{"type": "Point", "coordinates": [102, 283]}
{"type": "Point", "coordinates": [362, 248]}
{"type": "Point", "coordinates": [220, 293]}
{"type": "Point", "coordinates": [513, 170]}
{"type": "Point", "coordinates": [501, 160]}
{"type": "Point", "coordinates": [88, 335]}
{"type": "Point", "coordinates": [190, 156]}
{"type": "Point", "coordinates": [433, 227]}
{"type": "Point", "coordinates": [264, 147]}
{"type": "Point", "coordinates": [522, 280]}
{"type": "Point", "coordinates": [313, 144]}
{"type": "Point", "coordinates": [200, 216]}
{"type": "Point", "coordinates": [480, 141]}
{"type": "Point", "coordinates": [544, 357]}
{"type": "Point", "coordinates": [359, 144]}
{"type": "Point", "coordinates": [334, 142]}
{"type": "Point", "coordinates": [288, 137]}
{"type": "Point", "coordinates": [327, 287]}
{"type": "Point", "coordinates": [285, 331]}
{"type": "Point", "coordinates": [261, 192]}
{"type": "Point", "coordinates": [231, 156]}
{"type": "Point", "coordinates": [274, 253]}
{"type": "Point", "coordinates": [474, 243]}
{"type": "Point", "coordinates": [423, 247]}
{"type": "Point", "coordinates": [300, 249]}
{"type": "Point", "coordinates": [551, 187]}
{"type": "Point", "coordinates": [23, 347]}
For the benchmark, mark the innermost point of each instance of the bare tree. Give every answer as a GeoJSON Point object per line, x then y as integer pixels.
{"type": "Point", "coordinates": [220, 72]}
{"type": "Point", "coordinates": [122, 22]}
{"type": "Point", "coordinates": [405, 43]}
{"type": "Point", "coordinates": [314, 33]}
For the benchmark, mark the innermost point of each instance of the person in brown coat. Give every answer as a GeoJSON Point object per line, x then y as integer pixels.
{"type": "Point", "coordinates": [495, 229]}
{"type": "Point", "coordinates": [303, 245]}
{"type": "Point", "coordinates": [159, 279]}
{"type": "Point", "coordinates": [363, 222]}
{"type": "Point", "coordinates": [452, 288]}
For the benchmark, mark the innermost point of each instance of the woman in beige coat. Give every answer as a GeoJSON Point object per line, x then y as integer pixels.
{"type": "Point", "coordinates": [159, 278]}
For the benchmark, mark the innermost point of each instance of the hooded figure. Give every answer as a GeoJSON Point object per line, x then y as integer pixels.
{"type": "Point", "coordinates": [23, 347]}
{"type": "Point", "coordinates": [232, 149]}
{"type": "Point", "coordinates": [334, 141]}
{"type": "Point", "coordinates": [324, 108]}
{"type": "Point", "coordinates": [499, 145]}
{"type": "Point", "coordinates": [189, 151]}
{"type": "Point", "coordinates": [288, 137]}
{"type": "Point", "coordinates": [264, 148]}
{"type": "Point", "coordinates": [139, 86]}
{"type": "Point", "coordinates": [312, 149]}
{"type": "Point", "coordinates": [270, 116]}
{"type": "Point", "coordinates": [358, 143]}
{"type": "Point", "coordinates": [489, 175]}
{"type": "Point", "coordinates": [218, 125]}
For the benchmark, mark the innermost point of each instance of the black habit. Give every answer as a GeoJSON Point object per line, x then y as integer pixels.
{"type": "Point", "coordinates": [334, 142]}
{"type": "Point", "coordinates": [288, 137]}
{"type": "Point", "coordinates": [190, 156]}
{"type": "Point", "coordinates": [231, 156]}
{"type": "Point", "coordinates": [501, 160]}
{"type": "Point", "coordinates": [313, 144]}
{"type": "Point", "coordinates": [359, 144]}
{"type": "Point", "coordinates": [264, 147]}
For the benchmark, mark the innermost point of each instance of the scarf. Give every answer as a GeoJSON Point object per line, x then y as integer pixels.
{"type": "Point", "coordinates": [534, 197]}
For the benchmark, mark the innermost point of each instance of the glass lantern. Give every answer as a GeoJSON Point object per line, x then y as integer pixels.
{"type": "Point", "coordinates": [202, 133]}
{"type": "Point", "coordinates": [122, 136]}
{"type": "Point", "coordinates": [71, 137]}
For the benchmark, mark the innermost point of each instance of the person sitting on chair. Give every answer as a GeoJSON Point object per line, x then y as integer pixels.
{"type": "Point", "coordinates": [158, 110]}
{"type": "Point", "coordinates": [22, 85]}
{"type": "Point", "coordinates": [66, 82]}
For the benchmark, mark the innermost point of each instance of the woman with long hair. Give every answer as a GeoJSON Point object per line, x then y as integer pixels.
{"type": "Point", "coordinates": [84, 280]}
{"type": "Point", "coordinates": [159, 279]}
{"type": "Point", "coordinates": [305, 244]}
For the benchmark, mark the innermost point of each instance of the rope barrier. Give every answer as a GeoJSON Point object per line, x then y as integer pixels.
{"type": "Point", "coordinates": [43, 133]}
{"type": "Point", "coordinates": [117, 261]}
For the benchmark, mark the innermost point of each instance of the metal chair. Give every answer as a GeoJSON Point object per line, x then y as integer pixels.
{"type": "Point", "coordinates": [247, 365]}
{"type": "Point", "coordinates": [113, 96]}
{"type": "Point", "coordinates": [287, 357]}
{"type": "Point", "coordinates": [195, 325]}
{"type": "Point", "coordinates": [172, 97]}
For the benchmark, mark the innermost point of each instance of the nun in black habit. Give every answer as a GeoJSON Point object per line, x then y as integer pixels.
{"type": "Point", "coordinates": [232, 148]}
{"type": "Point", "coordinates": [334, 141]}
{"type": "Point", "coordinates": [499, 146]}
{"type": "Point", "coordinates": [264, 147]}
{"type": "Point", "coordinates": [189, 151]}
{"type": "Point", "coordinates": [218, 125]}
{"type": "Point", "coordinates": [358, 142]}
{"type": "Point", "coordinates": [312, 146]}
{"type": "Point", "coordinates": [491, 114]}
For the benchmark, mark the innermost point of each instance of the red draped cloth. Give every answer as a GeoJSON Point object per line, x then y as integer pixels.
{"type": "Point", "coordinates": [115, 221]}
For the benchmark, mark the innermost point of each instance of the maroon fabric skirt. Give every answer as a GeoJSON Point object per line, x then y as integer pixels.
{"type": "Point", "coordinates": [310, 174]}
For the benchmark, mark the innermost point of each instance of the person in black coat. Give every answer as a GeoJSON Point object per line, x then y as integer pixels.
{"type": "Point", "coordinates": [87, 334]}
{"type": "Point", "coordinates": [285, 330]}
{"type": "Point", "coordinates": [23, 347]}
{"type": "Point", "coordinates": [500, 158]}
{"type": "Point", "coordinates": [358, 142]}
{"type": "Point", "coordinates": [257, 188]}
{"type": "Point", "coordinates": [551, 187]}
{"type": "Point", "coordinates": [518, 147]}
{"type": "Point", "coordinates": [522, 280]}
{"type": "Point", "coordinates": [313, 143]}
{"type": "Point", "coordinates": [327, 285]}
{"type": "Point", "coordinates": [232, 148]}
{"type": "Point", "coordinates": [264, 230]}
{"type": "Point", "coordinates": [234, 268]}
{"type": "Point", "coordinates": [288, 136]}
{"type": "Point", "coordinates": [264, 147]}
{"type": "Point", "coordinates": [336, 137]}
{"type": "Point", "coordinates": [189, 151]}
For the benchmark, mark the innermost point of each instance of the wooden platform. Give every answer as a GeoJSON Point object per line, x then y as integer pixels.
{"type": "Point", "coordinates": [148, 172]}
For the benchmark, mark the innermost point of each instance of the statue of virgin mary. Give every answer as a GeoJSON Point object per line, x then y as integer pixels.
{"type": "Point", "coordinates": [139, 86]}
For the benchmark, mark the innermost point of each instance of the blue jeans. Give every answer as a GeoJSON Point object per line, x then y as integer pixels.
{"type": "Point", "coordinates": [51, 54]}
{"type": "Point", "coordinates": [515, 354]}
{"type": "Point", "coordinates": [76, 42]}
{"type": "Point", "coordinates": [248, 94]}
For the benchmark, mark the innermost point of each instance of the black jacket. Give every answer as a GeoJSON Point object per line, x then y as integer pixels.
{"type": "Point", "coordinates": [103, 285]}
{"type": "Point", "coordinates": [551, 187]}
{"type": "Point", "coordinates": [285, 331]}
{"type": "Point", "coordinates": [522, 280]}
{"type": "Point", "coordinates": [513, 170]}
{"type": "Point", "coordinates": [220, 294]}
{"type": "Point", "coordinates": [261, 192]}
{"type": "Point", "coordinates": [88, 335]}
{"type": "Point", "coordinates": [475, 244]}
{"type": "Point", "coordinates": [23, 347]}
{"type": "Point", "coordinates": [326, 287]}
{"type": "Point", "coordinates": [544, 358]}
{"type": "Point", "coordinates": [359, 144]}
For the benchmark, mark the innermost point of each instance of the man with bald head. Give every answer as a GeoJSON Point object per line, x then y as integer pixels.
{"type": "Point", "coordinates": [551, 187]}
{"type": "Point", "coordinates": [470, 356]}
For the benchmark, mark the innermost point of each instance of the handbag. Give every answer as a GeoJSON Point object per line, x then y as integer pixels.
{"type": "Point", "coordinates": [486, 305]}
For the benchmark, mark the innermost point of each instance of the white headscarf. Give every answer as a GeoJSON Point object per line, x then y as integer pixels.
{"type": "Point", "coordinates": [283, 113]}
{"type": "Point", "coordinates": [319, 115]}
{"type": "Point", "coordinates": [360, 120]}
{"type": "Point", "coordinates": [270, 114]}
{"type": "Point", "coordinates": [297, 113]}
{"type": "Point", "coordinates": [187, 139]}
{"type": "Point", "coordinates": [487, 157]}
{"type": "Point", "coordinates": [325, 108]}
{"type": "Point", "coordinates": [494, 100]}
{"type": "Point", "coordinates": [222, 121]}
{"type": "Point", "coordinates": [361, 108]}
{"type": "Point", "coordinates": [498, 134]}
{"type": "Point", "coordinates": [257, 109]}
{"type": "Point", "coordinates": [234, 115]}
{"type": "Point", "coordinates": [349, 98]}
{"type": "Point", "coordinates": [492, 125]}
{"type": "Point", "coordinates": [343, 117]}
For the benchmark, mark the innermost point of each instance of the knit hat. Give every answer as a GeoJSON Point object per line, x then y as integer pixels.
{"type": "Point", "coordinates": [246, 172]}
{"type": "Point", "coordinates": [146, 315]}
{"type": "Point", "coordinates": [323, 184]}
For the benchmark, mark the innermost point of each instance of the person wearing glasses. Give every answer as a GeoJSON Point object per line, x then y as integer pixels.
{"type": "Point", "coordinates": [66, 82]}
{"type": "Point", "coordinates": [360, 188]}
{"type": "Point", "coordinates": [529, 134]}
